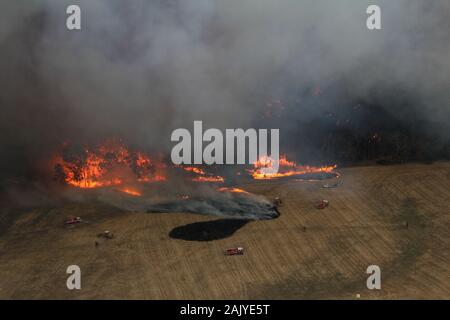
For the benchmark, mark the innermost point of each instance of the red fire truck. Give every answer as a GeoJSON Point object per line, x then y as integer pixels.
{"type": "Point", "coordinates": [72, 220]}
{"type": "Point", "coordinates": [234, 251]}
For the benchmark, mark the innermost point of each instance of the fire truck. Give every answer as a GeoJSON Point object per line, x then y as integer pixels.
{"type": "Point", "coordinates": [234, 251]}
{"type": "Point", "coordinates": [323, 204]}
{"type": "Point", "coordinates": [72, 220]}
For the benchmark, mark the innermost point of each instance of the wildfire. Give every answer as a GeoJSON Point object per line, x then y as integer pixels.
{"type": "Point", "coordinates": [113, 164]}
{"type": "Point", "coordinates": [195, 170]}
{"type": "Point", "coordinates": [108, 165]}
{"type": "Point", "coordinates": [286, 168]}
{"type": "Point", "coordinates": [131, 192]}
{"type": "Point", "coordinates": [233, 190]}
{"type": "Point", "coordinates": [203, 176]}
{"type": "Point", "coordinates": [209, 179]}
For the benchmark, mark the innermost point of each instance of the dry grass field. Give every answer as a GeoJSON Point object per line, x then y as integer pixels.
{"type": "Point", "coordinates": [304, 254]}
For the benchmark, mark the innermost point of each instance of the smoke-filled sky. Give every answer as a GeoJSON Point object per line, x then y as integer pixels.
{"type": "Point", "coordinates": [139, 69]}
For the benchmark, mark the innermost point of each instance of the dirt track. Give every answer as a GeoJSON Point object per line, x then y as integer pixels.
{"type": "Point", "coordinates": [365, 224]}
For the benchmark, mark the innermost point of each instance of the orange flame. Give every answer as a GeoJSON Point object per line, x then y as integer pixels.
{"type": "Point", "coordinates": [110, 164]}
{"type": "Point", "coordinates": [286, 168]}
{"type": "Point", "coordinates": [131, 192]}
{"type": "Point", "coordinates": [208, 179]}
{"type": "Point", "coordinates": [233, 190]}
{"type": "Point", "coordinates": [195, 170]}
{"type": "Point", "coordinates": [203, 176]}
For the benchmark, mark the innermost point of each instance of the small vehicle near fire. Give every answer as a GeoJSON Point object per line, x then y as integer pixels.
{"type": "Point", "coordinates": [72, 220]}
{"type": "Point", "coordinates": [330, 186]}
{"type": "Point", "coordinates": [323, 204]}
{"type": "Point", "coordinates": [234, 251]}
{"type": "Point", "coordinates": [106, 234]}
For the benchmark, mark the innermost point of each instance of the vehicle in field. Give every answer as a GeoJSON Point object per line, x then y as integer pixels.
{"type": "Point", "coordinates": [234, 251]}
{"type": "Point", "coordinates": [72, 220]}
{"type": "Point", "coordinates": [106, 234]}
{"type": "Point", "coordinates": [323, 204]}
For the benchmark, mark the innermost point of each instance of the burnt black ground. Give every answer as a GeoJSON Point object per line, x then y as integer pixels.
{"type": "Point", "coordinates": [208, 230]}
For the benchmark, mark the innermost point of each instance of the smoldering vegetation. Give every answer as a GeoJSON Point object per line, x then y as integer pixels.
{"type": "Point", "coordinates": [160, 197]}
{"type": "Point", "coordinates": [137, 70]}
{"type": "Point", "coordinates": [245, 206]}
{"type": "Point", "coordinates": [190, 197]}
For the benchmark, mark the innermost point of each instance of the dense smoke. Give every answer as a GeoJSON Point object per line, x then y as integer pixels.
{"type": "Point", "coordinates": [139, 69]}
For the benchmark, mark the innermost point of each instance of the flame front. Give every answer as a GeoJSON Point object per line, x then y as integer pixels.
{"type": "Point", "coordinates": [202, 176]}
{"type": "Point", "coordinates": [131, 192]}
{"type": "Point", "coordinates": [232, 190]}
{"type": "Point", "coordinates": [111, 164]}
{"type": "Point", "coordinates": [286, 168]}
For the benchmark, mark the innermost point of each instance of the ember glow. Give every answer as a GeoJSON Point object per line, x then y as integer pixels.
{"type": "Point", "coordinates": [195, 170]}
{"type": "Point", "coordinates": [286, 169]}
{"type": "Point", "coordinates": [203, 176]}
{"type": "Point", "coordinates": [208, 179]}
{"type": "Point", "coordinates": [131, 192]}
{"type": "Point", "coordinates": [110, 164]}
{"type": "Point", "coordinates": [233, 190]}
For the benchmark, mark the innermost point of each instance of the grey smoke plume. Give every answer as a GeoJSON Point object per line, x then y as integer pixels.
{"type": "Point", "coordinates": [139, 69]}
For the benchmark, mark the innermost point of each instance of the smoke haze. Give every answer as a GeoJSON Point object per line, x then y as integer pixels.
{"type": "Point", "coordinates": [139, 69]}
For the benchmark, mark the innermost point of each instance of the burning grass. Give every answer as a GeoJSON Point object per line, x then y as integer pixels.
{"type": "Point", "coordinates": [286, 169]}
{"type": "Point", "coordinates": [114, 164]}
{"type": "Point", "coordinates": [110, 164]}
{"type": "Point", "coordinates": [224, 204]}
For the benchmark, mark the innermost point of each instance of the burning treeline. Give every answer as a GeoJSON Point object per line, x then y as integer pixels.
{"type": "Point", "coordinates": [113, 164]}
{"type": "Point", "coordinates": [107, 165]}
